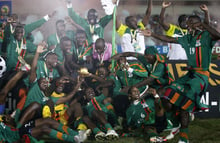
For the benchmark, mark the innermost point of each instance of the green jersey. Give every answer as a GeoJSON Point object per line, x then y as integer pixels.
{"type": "Point", "coordinates": [8, 134]}
{"type": "Point", "coordinates": [117, 85]}
{"type": "Point", "coordinates": [9, 31]}
{"type": "Point", "coordinates": [91, 30]}
{"type": "Point", "coordinates": [82, 52]}
{"type": "Point", "coordinates": [54, 39]}
{"type": "Point", "coordinates": [96, 103]}
{"type": "Point", "coordinates": [18, 48]}
{"type": "Point", "coordinates": [141, 113]}
{"type": "Point", "coordinates": [43, 72]}
{"type": "Point", "coordinates": [159, 71]}
{"type": "Point", "coordinates": [60, 55]}
{"type": "Point", "coordinates": [35, 95]}
{"type": "Point", "coordinates": [198, 49]}
{"type": "Point", "coordinates": [15, 48]}
{"type": "Point", "coordinates": [135, 74]}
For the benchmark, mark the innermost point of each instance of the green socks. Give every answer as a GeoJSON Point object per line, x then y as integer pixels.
{"type": "Point", "coordinates": [96, 130]}
{"type": "Point", "coordinates": [108, 127]}
{"type": "Point", "coordinates": [61, 136]}
{"type": "Point", "coordinates": [184, 134]}
{"type": "Point", "coordinates": [66, 130]}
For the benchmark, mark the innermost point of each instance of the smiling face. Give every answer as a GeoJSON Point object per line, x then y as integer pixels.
{"type": "Point", "coordinates": [51, 60]}
{"type": "Point", "coordinates": [90, 93]}
{"type": "Point", "coordinates": [100, 46]}
{"type": "Point", "coordinates": [92, 16]}
{"type": "Point", "coordinates": [59, 88]}
{"type": "Point", "coordinates": [19, 33]}
{"type": "Point", "coordinates": [102, 72]}
{"type": "Point", "coordinates": [81, 38]}
{"type": "Point", "coordinates": [43, 84]}
{"type": "Point", "coordinates": [134, 93]}
{"type": "Point", "coordinates": [66, 45]}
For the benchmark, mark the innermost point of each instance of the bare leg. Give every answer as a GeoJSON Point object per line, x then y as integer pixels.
{"type": "Point", "coordinates": [99, 116]}
{"type": "Point", "coordinates": [29, 113]}
{"type": "Point", "coordinates": [39, 131]}
{"type": "Point", "coordinates": [75, 110]}
{"type": "Point", "coordinates": [11, 83]}
{"type": "Point", "coordinates": [47, 121]}
{"type": "Point", "coordinates": [89, 122]}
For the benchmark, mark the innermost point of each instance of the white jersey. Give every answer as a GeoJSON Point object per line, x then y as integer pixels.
{"type": "Point", "coordinates": [129, 45]}
{"type": "Point", "coordinates": [176, 52]}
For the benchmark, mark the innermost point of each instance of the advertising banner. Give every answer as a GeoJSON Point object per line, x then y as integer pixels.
{"type": "Point", "coordinates": [212, 95]}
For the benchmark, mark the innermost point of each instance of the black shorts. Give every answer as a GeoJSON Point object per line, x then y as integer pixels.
{"type": "Point", "coordinates": [121, 104]}
{"type": "Point", "coordinates": [160, 123]}
{"type": "Point", "coordinates": [26, 128]}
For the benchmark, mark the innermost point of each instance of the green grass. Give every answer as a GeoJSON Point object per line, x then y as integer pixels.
{"type": "Point", "coordinates": [201, 131]}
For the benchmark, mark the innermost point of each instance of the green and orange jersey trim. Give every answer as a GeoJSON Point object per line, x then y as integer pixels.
{"type": "Point", "coordinates": [161, 59]}
{"type": "Point", "coordinates": [147, 110]}
{"type": "Point", "coordinates": [86, 51]}
{"type": "Point", "coordinates": [96, 104]}
{"type": "Point", "coordinates": [142, 69]}
{"type": "Point", "coordinates": [199, 53]}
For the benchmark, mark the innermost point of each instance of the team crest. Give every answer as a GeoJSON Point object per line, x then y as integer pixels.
{"type": "Point", "coordinates": [142, 115]}
{"type": "Point", "coordinates": [5, 10]}
{"type": "Point", "coordinates": [198, 43]}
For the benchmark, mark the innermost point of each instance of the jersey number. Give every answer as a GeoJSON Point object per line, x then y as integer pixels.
{"type": "Point", "coordinates": [192, 51]}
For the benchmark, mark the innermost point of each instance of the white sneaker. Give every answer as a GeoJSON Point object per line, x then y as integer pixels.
{"type": "Point", "coordinates": [173, 132]}
{"type": "Point", "coordinates": [111, 135]}
{"type": "Point", "coordinates": [83, 134]}
{"type": "Point", "coordinates": [13, 114]}
{"type": "Point", "coordinates": [76, 139]}
{"type": "Point", "coordinates": [100, 136]}
{"type": "Point", "coordinates": [192, 116]}
{"type": "Point", "coordinates": [157, 139]}
{"type": "Point", "coordinates": [24, 65]}
{"type": "Point", "coordinates": [180, 141]}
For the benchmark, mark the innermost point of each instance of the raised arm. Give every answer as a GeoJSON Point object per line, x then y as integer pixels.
{"type": "Point", "coordinates": [32, 26]}
{"type": "Point", "coordinates": [213, 32]}
{"type": "Point", "coordinates": [164, 38]}
{"type": "Point", "coordinates": [73, 23]}
{"type": "Point", "coordinates": [118, 23]}
{"type": "Point", "coordinates": [147, 81]}
{"type": "Point", "coordinates": [40, 49]}
{"type": "Point", "coordinates": [71, 94]}
{"type": "Point", "coordinates": [75, 17]}
{"type": "Point", "coordinates": [126, 54]}
{"type": "Point", "coordinates": [97, 78]}
{"type": "Point", "coordinates": [205, 9]}
{"type": "Point", "coordinates": [162, 22]}
{"type": "Point", "coordinates": [148, 13]}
